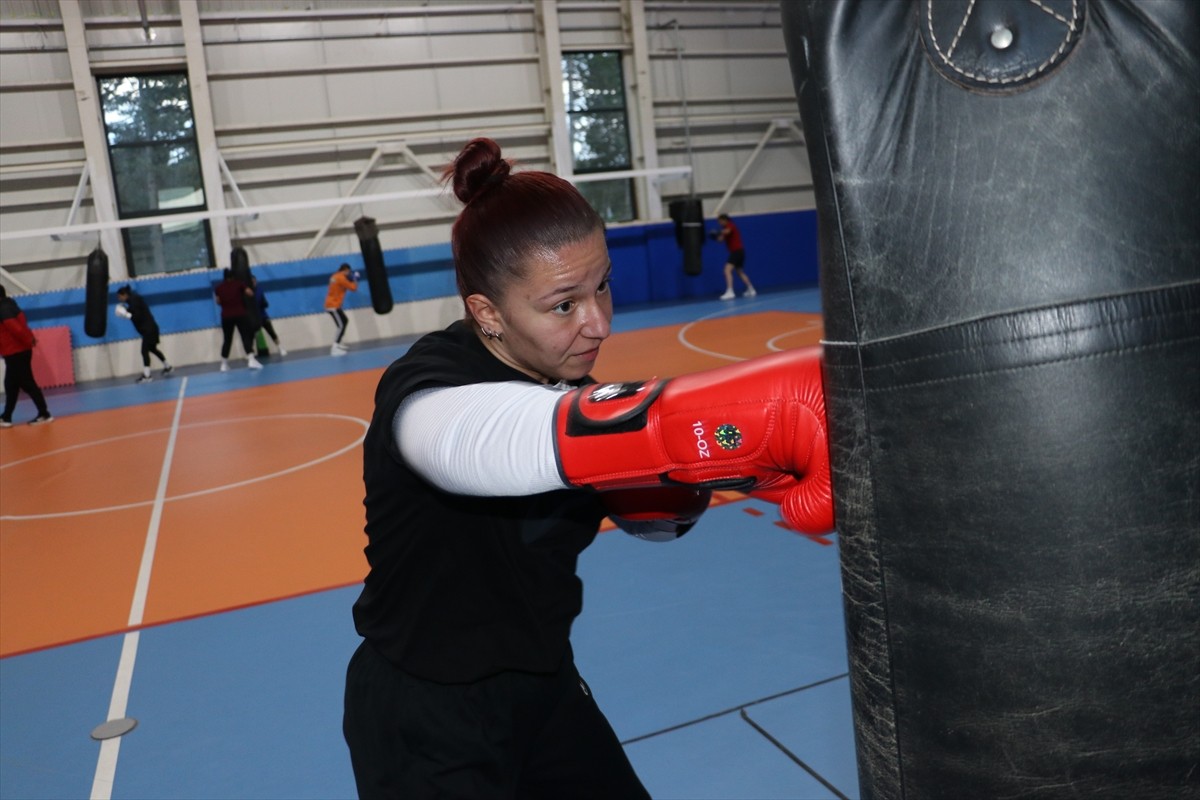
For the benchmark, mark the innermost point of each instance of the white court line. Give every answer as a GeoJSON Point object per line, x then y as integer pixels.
{"type": "Point", "coordinates": [199, 492]}
{"type": "Point", "coordinates": [773, 343]}
{"type": "Point", "coordinates": [728, 312]}
{"type": "Point", "coordinates": [106, 764]}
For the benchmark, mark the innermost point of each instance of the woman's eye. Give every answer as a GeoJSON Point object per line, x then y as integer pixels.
{"type": "Point", "coordinates": [564, 307]}
{"type": "Point", "coordinates": [604, 286]}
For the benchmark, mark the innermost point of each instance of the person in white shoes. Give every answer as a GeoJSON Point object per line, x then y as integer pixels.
{"type": "Point", "coordinates": [732, 237]}
{"type": "Point", "coordinates": [232, 296]}
{"type": "Point", "coordinates": [340, 282]}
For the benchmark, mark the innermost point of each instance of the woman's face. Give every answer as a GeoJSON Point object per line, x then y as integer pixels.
{"type": "Point", "coordinates": [553, 321]}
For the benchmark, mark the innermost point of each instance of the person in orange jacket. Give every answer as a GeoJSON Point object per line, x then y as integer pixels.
{"type": "Point", "coordinates": [340, 282]}
{"type": "Point", "coordinates": [16, 345]}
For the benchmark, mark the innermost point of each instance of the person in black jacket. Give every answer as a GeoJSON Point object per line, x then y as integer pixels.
{"type": "Point", "coordinates": [465, 685]}
{"type": "Point", "coordinates": [133, 307]}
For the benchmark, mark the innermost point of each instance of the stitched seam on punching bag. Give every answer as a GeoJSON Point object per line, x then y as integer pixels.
{"type": "Point", "coordinates": [1045, 65]}
{"type": "Point", "coordinates": [1030, 338]}
{"type": "Point", "coordinates": [1035, 365]}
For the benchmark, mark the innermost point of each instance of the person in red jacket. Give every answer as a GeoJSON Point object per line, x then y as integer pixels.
{"type": "Point", "coordinates": [16, 345]}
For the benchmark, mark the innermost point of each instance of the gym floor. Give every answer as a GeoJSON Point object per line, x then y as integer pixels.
{"type": "Point", "coordinates": [184, 554]}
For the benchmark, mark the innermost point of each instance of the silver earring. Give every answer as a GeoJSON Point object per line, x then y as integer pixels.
{"type": "Point", "coordinates": [492, 334]}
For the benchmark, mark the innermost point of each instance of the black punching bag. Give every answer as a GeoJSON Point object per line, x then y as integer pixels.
{"type": "Point", "coordinates": [1007, 200]}
{"type": "Point", "coordinates": [239, 264]}
{"type": "Point", "coordinates": [377, 280]}
{"type": "Point", "coordinates": [95, 303]}
{"type": "Point", "coordinates": [688, 216]}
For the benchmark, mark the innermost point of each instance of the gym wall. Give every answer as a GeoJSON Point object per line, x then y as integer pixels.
{"type": "Point", "coordinates": [647, 268]}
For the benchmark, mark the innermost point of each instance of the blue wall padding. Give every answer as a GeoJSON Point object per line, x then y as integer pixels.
{"type": "Point", "coordinates": [781, 251]}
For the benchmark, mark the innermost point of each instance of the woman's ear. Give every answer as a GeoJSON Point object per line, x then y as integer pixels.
{"type": "Point", "coordinates": [486, 315]}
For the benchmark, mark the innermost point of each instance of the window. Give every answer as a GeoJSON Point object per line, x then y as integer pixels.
{"type": "Point", "coordinates": [156, 169]}
{"type": "Point", "coordinates": [598, 125]}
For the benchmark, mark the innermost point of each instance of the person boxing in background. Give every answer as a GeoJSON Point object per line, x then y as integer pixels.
{"type": "Point", "coordinates": [492, 458]}
{"type": "Point", "coordinates": [133, 307]}
{"type": "Point", "coordinates": [340, 282]}
{"type": "Point", "coordinates": [232, 295]}
{"type": "Point", "coordinates": [727, 232]}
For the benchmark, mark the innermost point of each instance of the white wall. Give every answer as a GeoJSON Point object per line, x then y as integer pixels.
{"type": "Point", "coordinates": [303, 94]}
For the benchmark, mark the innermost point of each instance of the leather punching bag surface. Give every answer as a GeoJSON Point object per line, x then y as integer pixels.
{"type": "Point", "coordinates": [1010, 272]}
{"type": "Point", "coordinates": [95, 303]}
{"type": "Point", "coordinates": [239, 264]}
{"type": "Point", "coordinates": [377, 280]}
{"type": "Point", "coordinates": [688, 215]}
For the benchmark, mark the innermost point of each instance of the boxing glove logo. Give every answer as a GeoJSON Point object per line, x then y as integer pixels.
{"type": "Point", "coordinates": [728, 437]}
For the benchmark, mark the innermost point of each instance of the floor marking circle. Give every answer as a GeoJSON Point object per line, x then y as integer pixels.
{"type": "Point", "coordinates": [726, 312]}
{"type": "Point", "coordinates": [225, 487]}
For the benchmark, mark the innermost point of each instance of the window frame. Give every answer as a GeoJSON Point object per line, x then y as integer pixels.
{"type": "Point", "coordinates": [592, 188]}
{"type": "Point", "coordinates": [187, 139]}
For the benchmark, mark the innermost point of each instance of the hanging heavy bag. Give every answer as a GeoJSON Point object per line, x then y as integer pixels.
{"type": "Point", "coordinates": [95, 318]}
{"type": "Point", "coordinates": [1006, 196]}
{"type": "Point", "coordinates": [239, 264]}
{"type": "Point", "coordinates": [689, 231]}
{"type": "Point", "coordinates": [377, 281]}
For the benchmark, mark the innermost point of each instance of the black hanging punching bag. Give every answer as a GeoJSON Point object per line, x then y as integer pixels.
{"type": "Point", "coordinates": [688, 215]}
{"type": "Point", "coordinates": [1010, 272]}
{"type": "Point", "coordinates": [239, 264]}
{"type": "Point", "coordinates": [95, 303]}
{"type": "Point", "coordinates": [377, 280]}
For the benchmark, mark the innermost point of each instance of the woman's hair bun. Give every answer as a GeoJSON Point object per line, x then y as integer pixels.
{"type": "Point", "coordinates": [477, 169]}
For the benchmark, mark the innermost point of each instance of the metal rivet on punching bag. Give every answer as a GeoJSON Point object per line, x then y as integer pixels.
{"type": "Point", "coordinates": [377, 281]}
{"type": "Point", "coordinates": [95, 320]}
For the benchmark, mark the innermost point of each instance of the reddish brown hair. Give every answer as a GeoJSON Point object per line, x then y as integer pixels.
{"type": "Point", "coordinates": [508, 217]}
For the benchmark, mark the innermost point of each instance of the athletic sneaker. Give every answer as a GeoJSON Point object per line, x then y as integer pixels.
{"type": "Point", "coordinates": [144, 379]}
{"type": "Point", "coordinates": [168, 369]}
{"type": "Point", "coordinates": [282, 352]}
{"type": "Point", "coordinates": [252, 363]}
{"type": "Point", "coordinates": [729, 295]}
{"type": "Point", "coordinates": [224, 365]}
{"type": "Point", "coordinates": [5, 423]}
{"type": "Point", "coordinates": [40, 418]}
{"type": "Point", "coordinates": [750, 292]}
{"type": "Point", "coordinates": [337, 351]}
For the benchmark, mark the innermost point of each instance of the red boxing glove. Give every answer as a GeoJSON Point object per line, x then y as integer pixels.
{"type": "Point", "coordinates": [757, 426]}
{"type": "Point", "coordinates": [657, 513]}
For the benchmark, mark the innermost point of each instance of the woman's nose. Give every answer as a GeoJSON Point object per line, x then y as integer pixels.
{"type": "Point", "coordinates": [597, 323]}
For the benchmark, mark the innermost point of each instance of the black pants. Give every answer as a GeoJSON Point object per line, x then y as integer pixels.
{"type": "Point", "coordinates": [244, 330]}
{"type": "Point", "coordinates": [509, 736]}
{"type": "Point", "coordinates": [270, 329]}
{"type": "Point", "coordinates": [18, 377]}
{"type": "Point", "coordinates": [150, 345]}
{"type": "Point", "coordinates": [341, 321]}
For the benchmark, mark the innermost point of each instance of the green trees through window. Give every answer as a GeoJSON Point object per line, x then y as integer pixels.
{"type": "Point", "coordinates": [156, 169]}
{"type": "Point", "coordinates": [594, 91]}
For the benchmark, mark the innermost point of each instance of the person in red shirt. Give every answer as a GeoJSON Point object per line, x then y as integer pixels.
{"type": "Point", "coordinates": [732, 237]}
{"type": "Point", "coordinates": [232, 296]}
{"type": "Point", "coordinates": [340, 282]}
{"type": "Point", "coordinates": [16, 345]}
